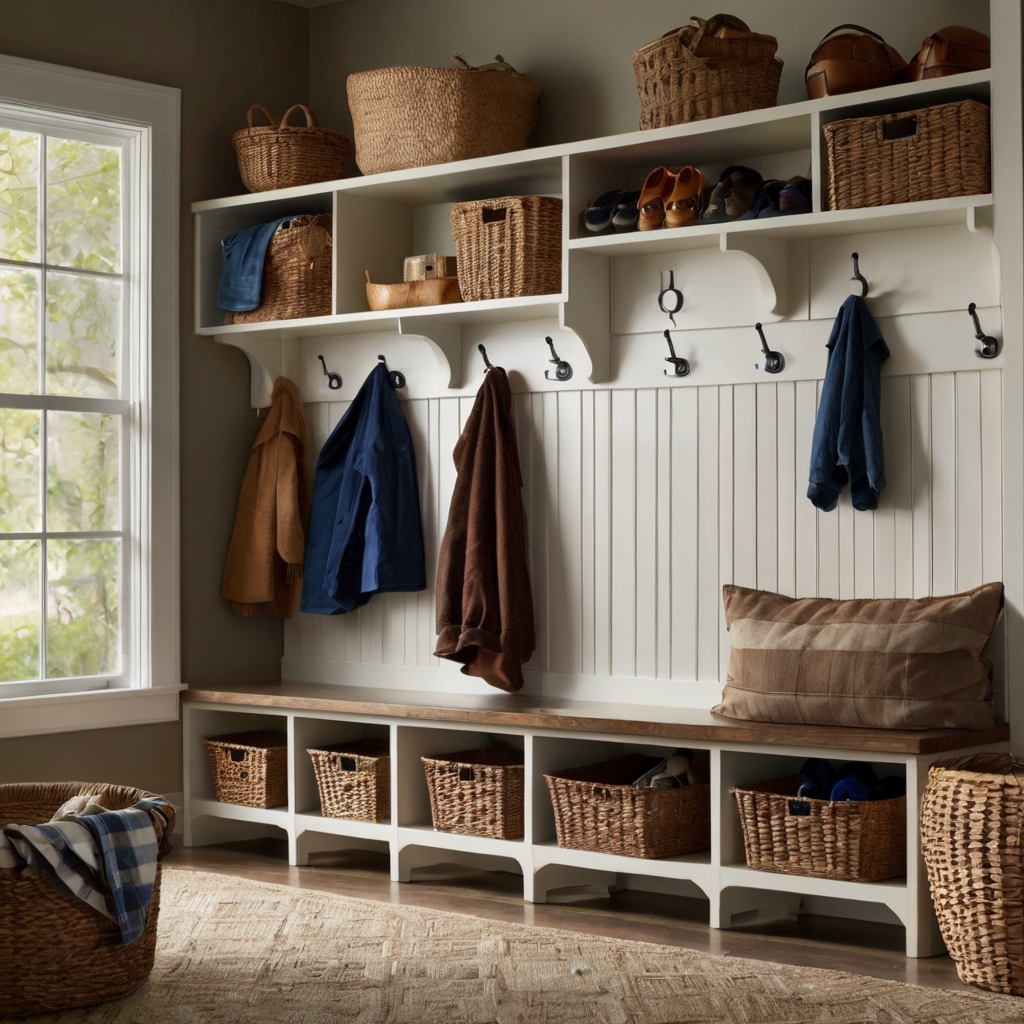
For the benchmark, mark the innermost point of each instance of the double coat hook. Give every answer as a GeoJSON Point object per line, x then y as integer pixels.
{"type": "Point", "coordinates": [682, 366]}
{"type": "Point", "coordinates": [861, 280]}
{"type": "Point", "coordinates": [670, 299]}
{"type": "Point", "coordinates": [563, 371]}
{"type": "Point", "coordinates": [488, 365]}
{"type": "Point", "coordinates": [987, 347]}
{"type": "Point", "coordinates": [395, 377]}
{"type": "Point", "coordinates": [333, 379]}
{"type": "Point", "coordinates": [774, 362]}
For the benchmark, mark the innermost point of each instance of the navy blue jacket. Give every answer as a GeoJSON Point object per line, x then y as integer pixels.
{"type": "Point", "coordinates": [365, 535]}
{"type": "Point", "coordinates": [847, 442]}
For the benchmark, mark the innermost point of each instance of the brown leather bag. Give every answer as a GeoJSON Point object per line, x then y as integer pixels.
{"type": "Point", "coordinates": [851, 58]}
{"type": "Point", "coordinates": [950, 51]}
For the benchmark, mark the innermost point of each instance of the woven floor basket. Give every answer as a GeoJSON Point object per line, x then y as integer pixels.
{"type": "Point", "coordinates": [297, 273]}
{"type": "Point", "coordinates": [477, 792]}
{"type": "Point", "coordinates": [56, 952]}
{"type": "Point", "coordinates": [413, 117]}
{"type": "Point", "coordinates": [972, 837]}
{"type": "Point", "coordinates": [508, 246]}
{"type": "Point", "coordinates": [250, 768]}
{"type": "Point", "coordinates": [923, 154]}
{"type": "Point", "coordinates": [354, 779]}
{"type": "Point", "coordinates": [597, 808]}
{"type": "Point", "coordinates": [284, 155]}
{"type": "Point", "coordinates": [851, 840]}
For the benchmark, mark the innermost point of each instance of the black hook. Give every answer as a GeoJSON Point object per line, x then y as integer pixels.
{"type": "Point", "coordinates": [774, 362]}
{"type": "Point", "coordinates": [989, 346]}
{"type": "Point", "coordinates": [858, 276]}
{"type": "Point", "coordinates": [395, 377]}
{"type": "Point", "coordinates": [681, 365]}
{"type": "Point", "coordinates": [563, 371]}
{"type": "Point", "coordinates": [677, 295]}
{"type": "Point", "coordinates": [488, 365]}
{"type": "Point", "coordinates": [333, 379]}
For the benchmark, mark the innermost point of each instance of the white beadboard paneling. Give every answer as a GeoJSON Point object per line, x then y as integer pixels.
{"type": "Point", "coordinates": [678, 552]}
{"type": "Point", "coordinates": [624, 538]}
{"type": "Point", "coordinates": [708, 585]}
{"type": "Point", "coordinates": [648, 548]}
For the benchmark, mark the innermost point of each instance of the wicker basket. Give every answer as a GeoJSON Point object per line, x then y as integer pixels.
{"type": "Point", "coordinates": [923, 154]}
{"type": "Point", "coordinates": [477, 792]}
{"type": "Point", "coordinates": [691, 74]}
{"type": "Point", "coordinates": [297, 273]}
{"type": "Point", "coordinates": [508, 246]}
{"type": "Point", "coordinates": [597, 808]}
{"type": "Point", "coordinates": [250, 768]}
{"type": "Point", "coordinates": [972, 836]}
{"type": "Point", "coordinates": [413, 117]}
{"type": "Point", "coordinates": [354, 779]}
{"type": "Point", "coordinates": [57, 952]}
{"type": "Point", "coordinates": [854, 841]}
{"type": "Point", "coordinates": [283, 155]}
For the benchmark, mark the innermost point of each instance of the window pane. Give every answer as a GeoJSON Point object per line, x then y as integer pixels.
{"type": "Point", "coordinates": [83, 205]}
{"type": "Point", "coordinates": [19, 471]}
{"type": "Point", "coordinates": [82, 471]}
{"type": "Point", "coordinates": [19, 610]}
{"type": "Point", "coordinates": [19, 355]}
{"type": "Point", "coordinates": [83, 631]}
{"type": "Point", "coordinates": [83, 335]}
{"type": "Point", "coordinates": [19, 195]}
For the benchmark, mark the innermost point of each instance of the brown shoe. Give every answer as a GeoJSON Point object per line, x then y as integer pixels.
{"type": "Point", "coordinates": [651, 204]}
{"type": "Point", "coordinates": [687, 198]}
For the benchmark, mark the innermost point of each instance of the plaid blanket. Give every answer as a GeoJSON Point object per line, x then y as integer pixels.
{"type": "Point", "coordinates": [108, 859]}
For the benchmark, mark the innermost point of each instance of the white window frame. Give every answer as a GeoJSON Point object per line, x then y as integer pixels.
{"type": "Point", "coordinates": [147, 690]}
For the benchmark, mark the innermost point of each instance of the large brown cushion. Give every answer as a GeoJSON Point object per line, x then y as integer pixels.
{"type": "Point", "coordinates": [896, 664]}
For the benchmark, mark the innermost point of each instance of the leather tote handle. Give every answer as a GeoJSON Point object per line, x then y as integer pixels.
{"type": "Point", "coordinates": [860, 28]}
{"type": "Point", "coordinates": [310, 116]}
{"type": "Point", "coordinates": [266, 113]}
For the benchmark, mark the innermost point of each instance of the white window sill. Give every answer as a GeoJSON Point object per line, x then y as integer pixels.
{"type": "Point", "coordinates": [97, 709]}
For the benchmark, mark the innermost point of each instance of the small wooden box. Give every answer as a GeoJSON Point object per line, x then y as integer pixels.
{"type": "Point", "coordinates": [426, 268]}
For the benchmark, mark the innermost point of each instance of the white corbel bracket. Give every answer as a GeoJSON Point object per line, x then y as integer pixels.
{"type": "Point", "coordinates": [769, 258]}
{"type": "Point", "coordinates": [266, 363]}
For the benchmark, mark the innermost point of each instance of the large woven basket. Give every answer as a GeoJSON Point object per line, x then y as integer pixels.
{"type": "Point", "coordinates": [691, 73]}
{"type": "Point", "coordinates": [850, 840]}
{"type": "Point", "coordinates": [477, 792]}
{"type": "Point", "coordinates": [57, 953]}
{"type": "Point", "coordinates": [297, 273]}
{"type": "Point", "coordinates": [597, 808]}
{"type": "Point", "coordinates": [354, 779]}
{"type": "Point", "coordinates": [972, 837]}
{"type": "Point", "coordinates": [508, 246]}
{"type": "Point", "coordinates": [923, 154]}
{"type": "Point", "coordinates": [250, 768]}
{"type": "Point", "coordinates": [280, 155]}
{"type": "Point", "coordinates": [413, 117]}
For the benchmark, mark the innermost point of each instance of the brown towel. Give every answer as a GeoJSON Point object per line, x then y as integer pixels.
{"type": "Point", "coordinates": [264, 565]}
{"type": "Point", "coordinates": [484, 603]}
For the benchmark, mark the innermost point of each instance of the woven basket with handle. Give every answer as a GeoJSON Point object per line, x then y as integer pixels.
{"type": "Point", "coordinates": [972, 837]}
{"type": "Point", "coordinates": [250, 768]}
{"type": "Point", "coordinates": [281, 155]}
{"type": "Point", "coordinates": [477, 792]}
{"type": "Point", "coordinates": [354, 779]}
{"type": "Point", "coordinates": [56, 952]}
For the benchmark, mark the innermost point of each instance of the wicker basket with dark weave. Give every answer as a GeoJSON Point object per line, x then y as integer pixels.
{"type": "Point", "coordinates": [850, 840]}
{"type": "Point", "coordinates": [597, 808]}
{"type": "Point", "coordinates": [56, 952]}
{"type": "Point", "coordinates": [281, 155]}
{"type": "Point", "coordinates": [250, 768]}
{"type": "Point", "coordinates": [354, 779]}
{"type": "Point", "coordinates": [477, 792]}
{"type": "Point", "coordinates": [508, 246]}
{"type": "Point", "coordinates": [972, 837]}
{"type": "Point", "coordinates": [931, 153]}
{"type": "Point", "coordinates": [297, 273]}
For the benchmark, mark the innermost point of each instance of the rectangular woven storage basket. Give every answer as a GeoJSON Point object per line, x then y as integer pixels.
{"type": "Point", "coordinates": [932, 153]}
{"type": "Point", "coordinates": [250, 768]}
{"type": "Point", "coordinates": [297, 273]}
{"type": "Point", "coordinates": [508, 246]}
{"type": "Point", "coordinates": [850, 840]}
{"type": "Point", "coordinates": [354, 779]}
{"type": "Point", "coordinates": [597, 808]}
{"type": "Point", "coordinates": [477, 792]}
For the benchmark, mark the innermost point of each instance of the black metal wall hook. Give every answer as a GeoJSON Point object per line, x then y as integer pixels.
{"type": "Point", "coordinates": [395, 377]}
{"type": "Point", "coordinates": [333, 379]}
{"type": "Point", "coordinates": [488, 365]}
{"type": "Point", "coordinates": [774, 362]}
{"type": "Point", "coordinates": [676, 298]}
{"type": "Point", "coordinates": [563, 371]}
{"type": "Point", "coordinates": [987, 347]}
{"type": "Point", "coordinates": [858, 276]}
{"type": "Point", "coordinates": [682, 366]}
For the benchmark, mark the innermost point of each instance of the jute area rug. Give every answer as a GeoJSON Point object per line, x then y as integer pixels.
{"type": "Point", "coordinates": [236, 951]}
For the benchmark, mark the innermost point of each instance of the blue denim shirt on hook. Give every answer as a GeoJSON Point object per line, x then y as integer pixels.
{"type": "Point", "coordinates": [847, 441]}
{"type": "Point", "coordinates": [241, 273]}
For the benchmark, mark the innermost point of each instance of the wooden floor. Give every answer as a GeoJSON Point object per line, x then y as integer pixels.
{"type": "Point", "coordinates": [838, 944]}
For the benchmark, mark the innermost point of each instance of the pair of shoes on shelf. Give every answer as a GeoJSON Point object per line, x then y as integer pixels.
{"type": "Point", "coordinates": [614, 211]}
{"type": "Point", "coordinates": [780, 199]}
{"type": "Point", "coordinates": [741, 194]}
{"type": "Point", "coordinates": [671, 200]}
